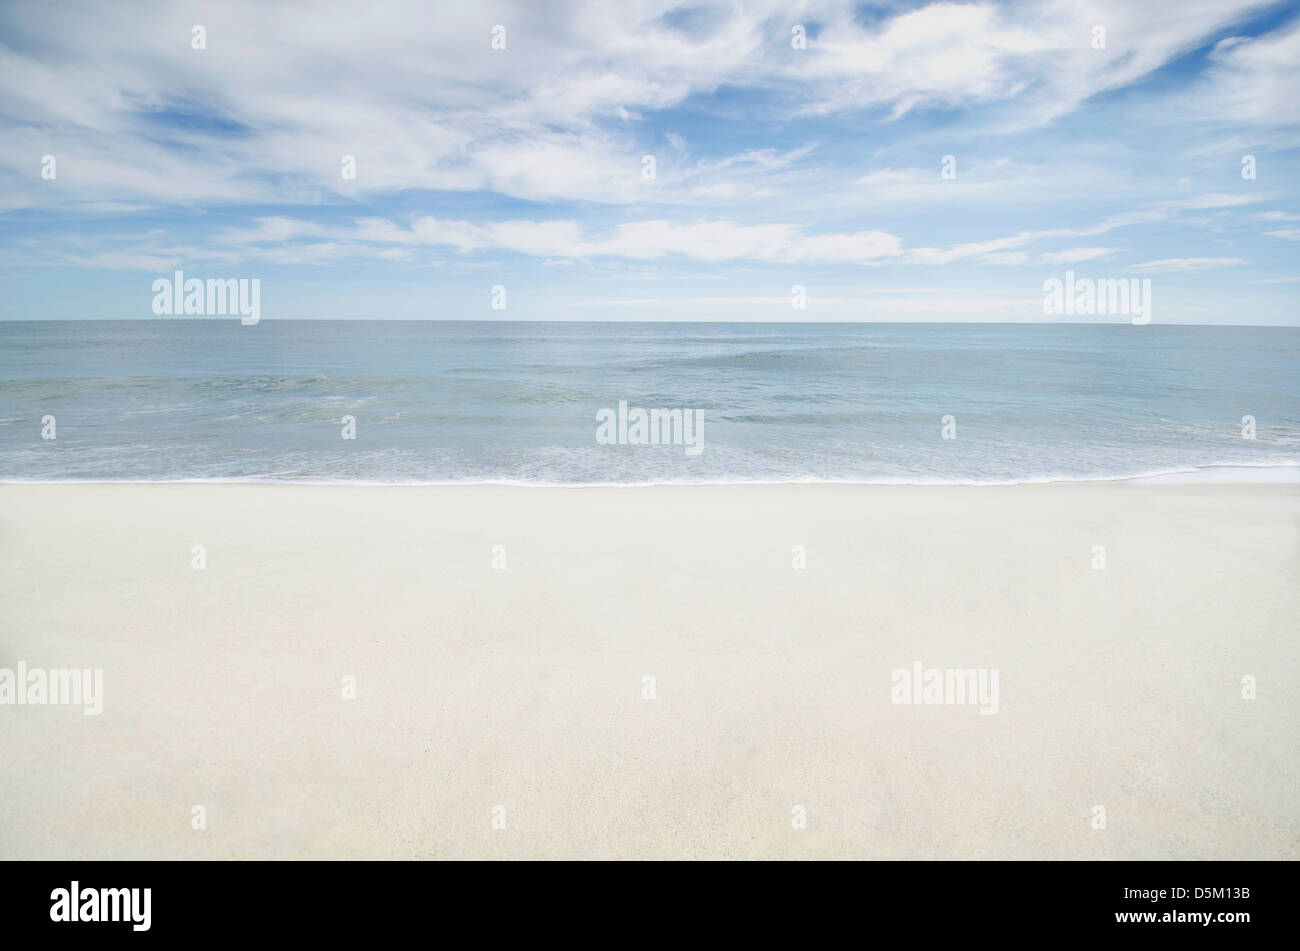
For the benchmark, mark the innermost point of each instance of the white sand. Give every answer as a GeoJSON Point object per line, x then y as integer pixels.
{"type": "Point", "coordinates": [522, 688]}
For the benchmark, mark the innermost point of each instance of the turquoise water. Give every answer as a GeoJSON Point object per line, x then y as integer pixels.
{"type": "Point", "coordinates": [517, 402]}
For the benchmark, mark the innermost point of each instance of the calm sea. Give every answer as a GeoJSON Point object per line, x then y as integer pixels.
{"type": "Point", "coordinates": [517, 402]}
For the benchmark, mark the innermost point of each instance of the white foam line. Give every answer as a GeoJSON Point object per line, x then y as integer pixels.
{"type": "Point", "coordinates": [1261, 473]}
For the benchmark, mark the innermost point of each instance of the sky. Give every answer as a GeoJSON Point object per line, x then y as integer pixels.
{"type": "Point", "coordinates": [633, 160]}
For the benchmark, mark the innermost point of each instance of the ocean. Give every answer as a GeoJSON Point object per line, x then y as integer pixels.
{"type": "Point", "coordinates": [517, 402]}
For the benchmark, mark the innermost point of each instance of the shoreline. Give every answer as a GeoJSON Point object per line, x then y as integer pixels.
{"type": "Point", "coordinates": [1224, 474]}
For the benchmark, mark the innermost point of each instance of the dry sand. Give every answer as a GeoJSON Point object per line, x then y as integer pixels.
{"type": "Point", "coordinates": [522, 688]}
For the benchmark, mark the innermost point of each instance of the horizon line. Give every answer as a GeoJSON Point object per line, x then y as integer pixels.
{"type": "Point", "coordinates": [580, 320]}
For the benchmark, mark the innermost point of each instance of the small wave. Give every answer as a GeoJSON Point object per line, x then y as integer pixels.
{"type": "Point", "coordinates": [1287, 474]}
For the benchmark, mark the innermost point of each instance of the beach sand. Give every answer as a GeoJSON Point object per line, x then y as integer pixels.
{"type": "Point", "coordinates": [522, 688]}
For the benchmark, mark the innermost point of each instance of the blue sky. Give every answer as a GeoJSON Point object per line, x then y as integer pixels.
{"type": "Point", "coordinates": [774, 166]}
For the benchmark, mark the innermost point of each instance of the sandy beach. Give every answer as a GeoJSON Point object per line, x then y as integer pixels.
{"type": "Point", "coordinates": [510, 683]}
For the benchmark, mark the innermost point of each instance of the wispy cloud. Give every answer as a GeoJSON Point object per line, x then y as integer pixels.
{"type": "Point", "coordinates": [1075, 255]}
{"type": "Point", "coordinates": [1187, 264]}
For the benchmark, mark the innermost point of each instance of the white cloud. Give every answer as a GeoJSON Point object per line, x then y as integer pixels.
{"type": "Point", "coordinates": [424, 103]}
{"type": "Point", "coordinates": [1153, 212]}
{"type": "Point", "coordinates": [1039, 55]}
{"type": "Point", "coordinates": [1075, 255]}
{"type": "Point", "coordinates": [970, 249]}
{"type": "Point", "coordinates": [281, 239]}
{"type": "Point", "coordinates": [1256, 79]}
{"type": "Point", "coordinates": [705, 240]}
{"type": "Point", "coordinates": [1187, 264]}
